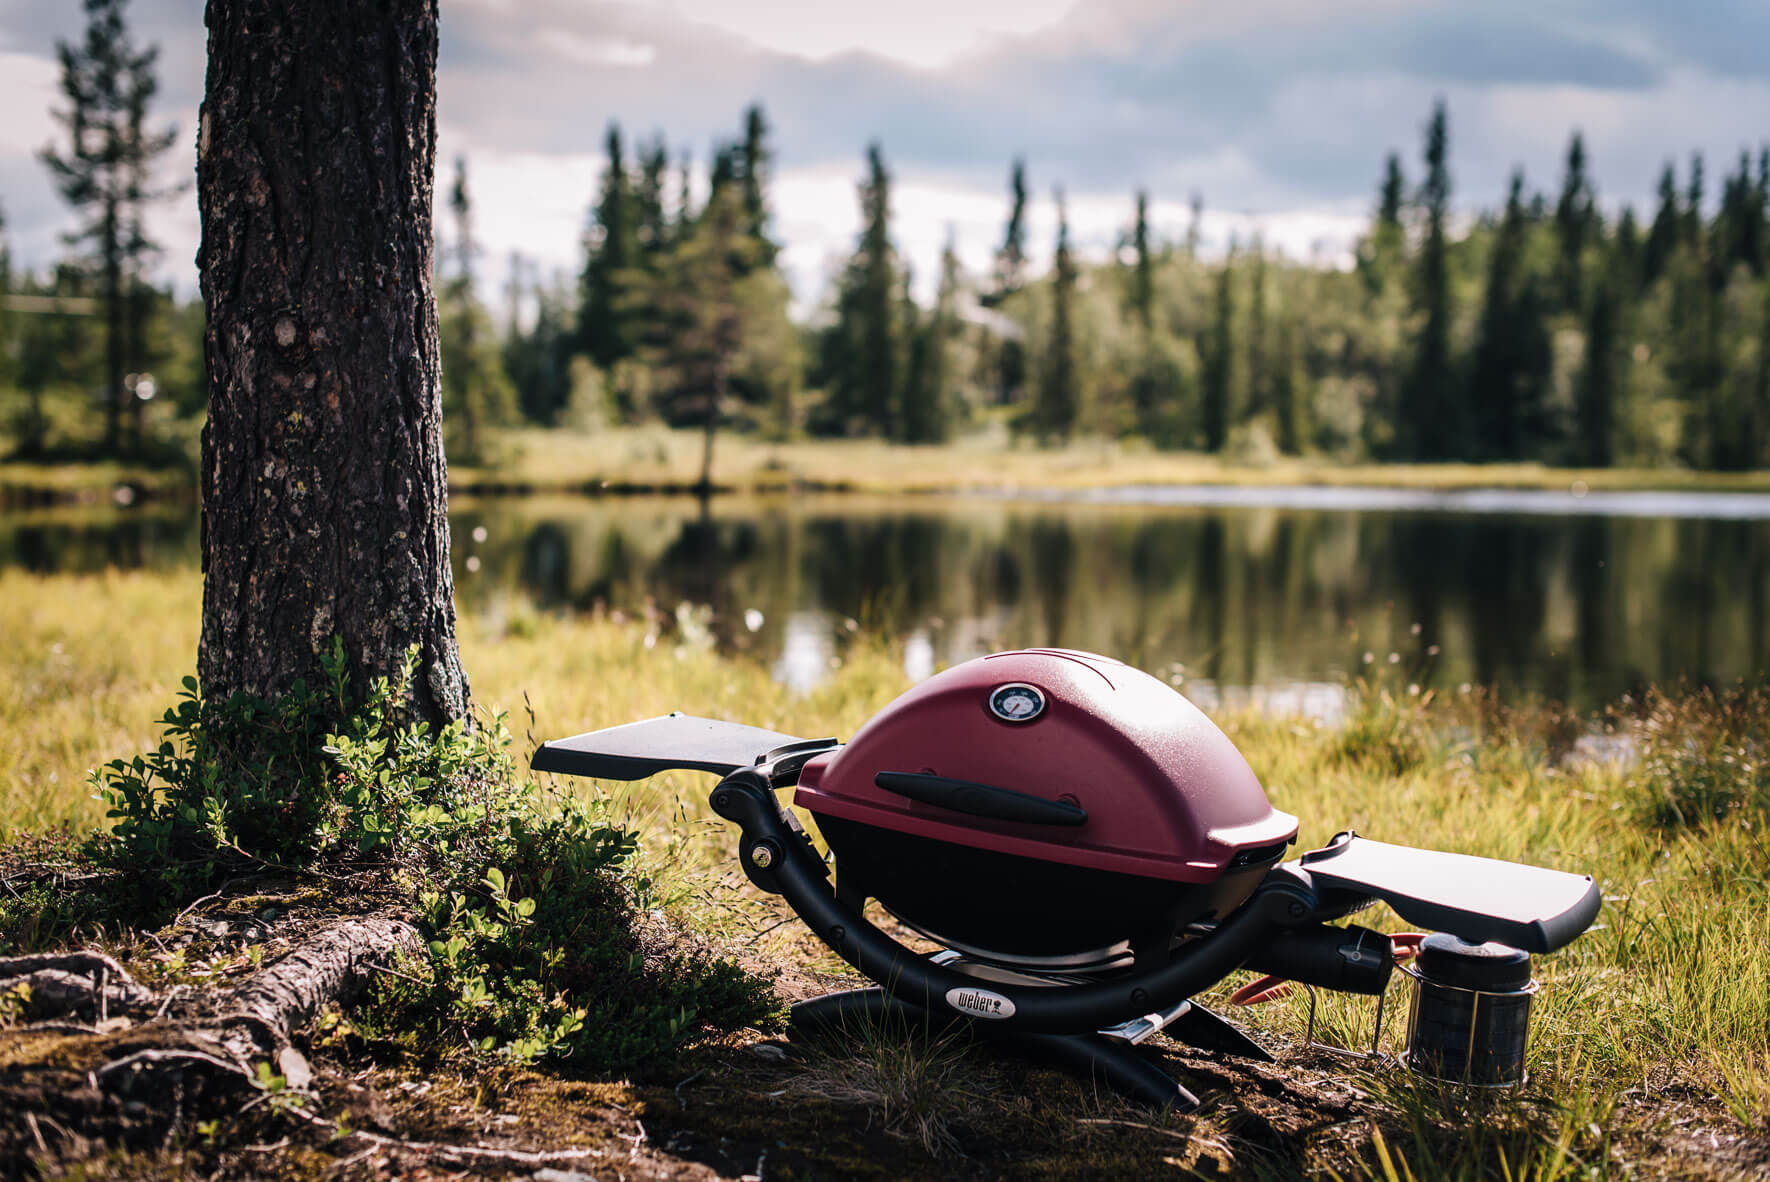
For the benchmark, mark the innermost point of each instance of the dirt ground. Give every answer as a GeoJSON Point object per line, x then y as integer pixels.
{"type": "Point", "coordinates": [107, 1096]}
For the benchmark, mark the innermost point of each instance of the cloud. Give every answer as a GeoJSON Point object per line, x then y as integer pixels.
{"type": "Point", "coordinates": [1279, 111]}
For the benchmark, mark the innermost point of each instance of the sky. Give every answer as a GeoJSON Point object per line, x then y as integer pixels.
{"type": "Point", "coordinates": [1279, 113]}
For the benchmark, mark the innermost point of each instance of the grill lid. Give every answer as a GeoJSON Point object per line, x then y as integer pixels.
{"type": "Point", "coordinates": [1057, 755]}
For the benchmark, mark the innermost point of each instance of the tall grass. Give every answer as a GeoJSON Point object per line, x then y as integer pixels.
{"type": "Point", "coordinates": [1671, 989]}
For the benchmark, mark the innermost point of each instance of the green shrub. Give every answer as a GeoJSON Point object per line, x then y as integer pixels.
{"type": "Point", "coordinates": [542, 941]}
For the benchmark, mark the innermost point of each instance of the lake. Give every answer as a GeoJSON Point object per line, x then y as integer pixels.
{"type": "Point", "coordinates": [1279, 595]}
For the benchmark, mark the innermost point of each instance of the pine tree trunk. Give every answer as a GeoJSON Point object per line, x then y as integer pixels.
{"type": "Point", "coordinates": [324, 485]}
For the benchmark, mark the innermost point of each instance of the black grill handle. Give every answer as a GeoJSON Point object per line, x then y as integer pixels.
{"type": "Point", "coordinates": [981, 800]}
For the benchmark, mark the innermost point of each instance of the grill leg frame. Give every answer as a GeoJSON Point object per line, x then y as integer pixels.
{"type": "Point", "coordinates": [1109, 1061]}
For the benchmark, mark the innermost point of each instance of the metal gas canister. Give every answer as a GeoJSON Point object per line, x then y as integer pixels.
{"type": "Point", "coordinates": [1470, 1015]}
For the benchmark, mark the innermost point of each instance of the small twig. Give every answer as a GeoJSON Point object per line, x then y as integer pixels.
{"type": "Point", "coordinates": [1137, 1124]}
{"type": "Point", "coordinates": [170, 994]}
{"type": "Point", "coordinates": [271, 1148]}
{"type": "Point", "coordinates": [393, 972]}
{"type": "Point", "coordinates": [104, 989]}
{"type": "Point", "coordinates": [37, 1133]}
{"type": "Point", "coordinates": [160, 1056]}
{"type": "Point", "coordinates": [194, 906]}
{"type": "Point", "coordinates": [778, 923]}
{"type": "Point", "coordinates": [684, 1084]}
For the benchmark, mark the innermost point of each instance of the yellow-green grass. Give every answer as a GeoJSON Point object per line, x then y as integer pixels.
{"type": "Point", "coordinates": [88, 480]}
{"type": "Point", "coordinates": [1669, 994]}
{"type": "Point", "coordinates": [656, 456]}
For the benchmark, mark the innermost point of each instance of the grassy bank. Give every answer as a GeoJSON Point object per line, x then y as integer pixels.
{"type": "Point", "coordinates": [1650, 1034]}
{"type": "Point", "coordinates": [654, 458]}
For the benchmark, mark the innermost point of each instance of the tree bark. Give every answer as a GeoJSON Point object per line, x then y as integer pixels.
{"type": "Point", "coordinates": [325, 497]}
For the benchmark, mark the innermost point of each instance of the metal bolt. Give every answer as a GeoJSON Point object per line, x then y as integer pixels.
{"type": "Point", "coordinates": [761, 857]}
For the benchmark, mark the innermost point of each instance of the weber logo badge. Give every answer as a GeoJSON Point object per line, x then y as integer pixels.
{"type": "Point", "coordinates": [980, 1003]}
{"type": "Point", "coordinates": [1016, 702]}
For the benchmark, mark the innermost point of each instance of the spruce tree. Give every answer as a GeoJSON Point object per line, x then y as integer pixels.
{"type": "Point", "coordinates": [1143, 269]}
{"type": "Point", "coordinates": [1430, 425]}
{"type": "Point", "coordinates": [1060, 400]}
{"type": "Point", "coordinates": [943, 331]}
{"type": "Point", "coordinates": [1011, 258]}
{"type": "Point", "coordinates": [104, 173]}
{"type": "Point", "coordinates": [1290, 394]}
{"type": "Point", "coordinates": [476, 391]}
{"type": "Point", "coordinates": [867, 360]}
{"type": "Point", "coordinates": [1663, 236]}
{"type": "Point", "coordinates": [756, 162]}
{"type": "Point", "coordinates": [1497, 377]}
{"type": "Point", "coordinates": [602, 314]}
{"type": "Point", "coordinates": [1217, 409]}
{"type": "Point", "coordinates": [1693, 198]}
{"type": "Point", "coordinates": [1595, 398]}
{"type": "Point", "coordinates": [1384, 248]}
{"type": "Point", "coordinates": [651, 222]}
{"type": "Point", "coordinates": [1575, 215]}
{"type": "Point", "coordinates": [1258, 347]}
{"type": "Point", "coordinates": [684, 194]}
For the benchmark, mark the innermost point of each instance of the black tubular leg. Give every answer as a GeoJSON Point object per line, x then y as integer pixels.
{"type": "Point", "coordinates": [1111, 1062]}
{"type": "Point", "coordinates": [780, 860]}
{"type": "Point", "coordinates": [1107, 1060]}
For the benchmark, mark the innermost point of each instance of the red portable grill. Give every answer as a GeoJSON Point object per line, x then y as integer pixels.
{"type": "Point", "coordinates": [1091, 852]}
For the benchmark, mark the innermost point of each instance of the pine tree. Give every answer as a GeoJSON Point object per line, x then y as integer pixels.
{"type": "Point", "coordinates": [1663, 236]}
{"type": "Point", "coordinates": [613, 240]}
{"type": "Point", "coordinates": [1143, 269]}
{"type": "Point", "coordinates": [1599, 380]}
{"type": "Point", "coordinates": [1195, 225]}
{"type": "Point", "coordinates": [684, 194]}
{"type": "Point", "coordinates": [1258, 347]}
{"type": "Point", "coordinates": [1011, 258]}
{"type": "Point", "coordinates": [651, 222]}
{"type": "Point", "coordinates": [1430, 426]}
{"type": "Point", "coordinates": [1218, 396]}
{"type": "Point", "coordinates": [1504, 382]}
{"type": "Point", "coordinates": [477, 394]}
{"type": "Point", "coordinates": [1575, 216]}
{"type": "Point", "coordinates": [1384, 248]}
{"type": "Point", "coordinates": [865, 348]}
{"type": "Point", "coordinates": [1060, 399]}
{"type": "Point", "coordinates": [1290, 395]}
{"type": "Point", "coordinates": [1693, 199]}
{"type": "Point", "coordinates": [105, 172]}
{"type": "Point", "coordinates": [756, 162]}
{"type": "Point", "coordinates": [701, 302]}
{"type": "Point", "coordinates": [929, 397]}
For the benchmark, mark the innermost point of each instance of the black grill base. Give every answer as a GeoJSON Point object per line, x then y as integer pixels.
{"type": "Point", "coordinates": [1022, 909]}
{"type": "Point", "coordinates": [1106, 1060]}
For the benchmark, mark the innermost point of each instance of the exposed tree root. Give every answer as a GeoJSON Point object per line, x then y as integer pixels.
{"type": "Point", "coordinates": [88, 985]}
{"type": "Point", "coordinates": [150, 1062]}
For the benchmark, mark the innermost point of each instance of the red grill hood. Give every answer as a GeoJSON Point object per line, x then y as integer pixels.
{"type": "Point", "coordinates": [1166, 793]}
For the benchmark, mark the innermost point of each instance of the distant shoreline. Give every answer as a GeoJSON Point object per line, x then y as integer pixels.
{"type": "Point", "coordinates": [655, 461]}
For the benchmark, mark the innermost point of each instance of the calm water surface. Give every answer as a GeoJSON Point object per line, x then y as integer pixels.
{"type": "Point", "coordinates": [1580, 599]}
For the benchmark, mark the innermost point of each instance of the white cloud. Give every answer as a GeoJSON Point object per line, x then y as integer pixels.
{"type": "Point", "coordinates": [618, 52]}
{"type": "Point", "coordinates": [928, 34]}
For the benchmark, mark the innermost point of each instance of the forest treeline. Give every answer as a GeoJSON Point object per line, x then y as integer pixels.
{"type": "Point", "coordinates": [1545, 329]}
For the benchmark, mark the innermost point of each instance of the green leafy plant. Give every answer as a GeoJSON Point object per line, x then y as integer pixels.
{"type": "Point", "coordinates": [542, 940]}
